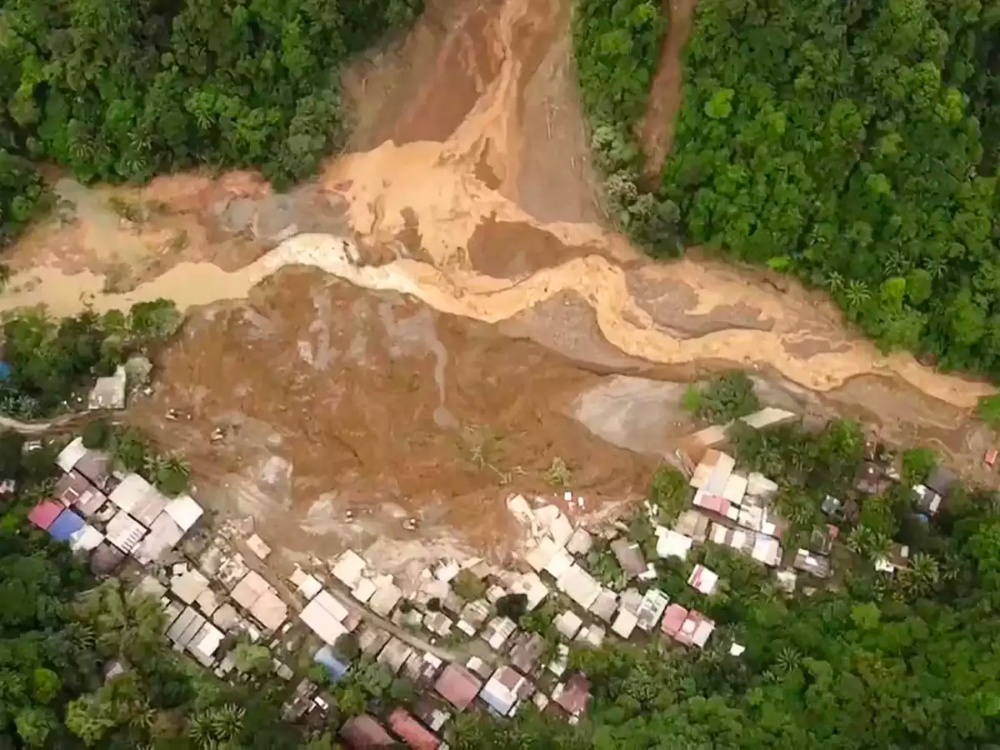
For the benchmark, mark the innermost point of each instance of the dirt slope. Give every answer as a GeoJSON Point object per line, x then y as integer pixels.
{"type": "Point", "coordinates": [456, 295]}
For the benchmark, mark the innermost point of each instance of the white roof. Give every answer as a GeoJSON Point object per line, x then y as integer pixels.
{"type": "Point", "coordinates": [185, 511]}
{"type": "Point", "coordinates": [498, 696]}
{"type": "Point", "coordinates": [124, 531]}
{"type": "Point", "coordinates": [625, 623]}
{"type": "Point", "coordinates": [702, 579]}
{"type": "Point", "coordinates": [258, 546]}
{"type": "Point", "coordinates": [69, 455]}
{"type": "Point", "coordinates": [163, 536]}
{"type": "Point", "coordinates": [532, 587]}
{"type": "Point", "coordinates": [559, 563]}
{"type": "Point", "coordinates": [348, 568]}
{"type": "Point", "coordinates": [561, 530]}
{"type": "Point", "coordinates": [364, 591]}
{"type": "Point", "coordinates": [321, 615]}
{"type": "Point", "coordinates": [568, 624]}
{"type": "Point", "coordinates": [208, 640]}
{"type": "Point", "coordinates": [654, 602]}
{"type": "Point", "coordinates": [580, 543]}
{"type": "Point", "coordinates": [309, 586]}
{"type": "Point", "coordinates": [767, 550]}
{"type": "Point", "coordinates": [149, 507]}
{"type": "Point", "coordinates": [672, 544]}
{"type": "Point", "coordinates": [189, 585]}
{"type": "Point", "coordinates": [269, 610]}
{"type": "Point", "coordinates": [579, 586]}
{"type": "Point", "coordinates": [385, 599]}
{"type": "Point", "coordinates": [737, 650]}
{"type": "Point", "coordinates": [538, 557]}
{"type": "Point", "coordinates": [250, 589]}
{"type": "Point", "coordinates": [130, 493]}
{"type": "Point", "coordinates": [735, 489]}
{"type": "Point", "coordinates": [702, 632]}
{"type": "Point", "coordinates": [86, 539]}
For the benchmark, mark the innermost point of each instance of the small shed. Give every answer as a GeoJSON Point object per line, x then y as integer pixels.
{"type": "Point", "coordinates": [629, 557]}
{"type": "Point", "coordinates": [334, 667]}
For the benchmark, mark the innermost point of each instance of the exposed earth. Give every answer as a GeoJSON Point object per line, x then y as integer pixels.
{"type": "Point", "coordinates": [442, 317]}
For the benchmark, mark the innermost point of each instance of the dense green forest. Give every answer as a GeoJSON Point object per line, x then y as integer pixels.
{"type": "Point", "coordinates": [874, 660]}
{"type": "Point", "coordinates": [853, 144]}
{"type": "Point", "coordinates": [53, 363]}
{"type": "Point", "coordinates": [60, 632]}
{"type": "Point", "coordinates": [125, 89]}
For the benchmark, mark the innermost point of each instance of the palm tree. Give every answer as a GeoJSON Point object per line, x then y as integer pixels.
{"type": "Point", "coordinates": [835, 281]}
{"type": "Point", "coordinates": [857, 294]}
{"type": "Point", "coordinates": [227, 721]}
{"type": "Point", "coordinates": [788, 660]}
{"type": "Point", "coordinates": [922, 575]}
{"type": "Point", "coordinates": [201, 730]}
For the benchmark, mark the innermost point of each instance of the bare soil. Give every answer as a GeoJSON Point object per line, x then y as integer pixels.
{"type": "Point", "coordinates": [439, 316]}
{"type": "Point", "coordinates": [665, 96]}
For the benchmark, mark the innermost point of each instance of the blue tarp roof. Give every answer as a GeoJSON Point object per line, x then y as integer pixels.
{"type": "Point", "coordinates": [66, 525]}
{"type": "Point", "coordinates": [5, 370]}
{"type": "Point", "coordinates": [333, 666]}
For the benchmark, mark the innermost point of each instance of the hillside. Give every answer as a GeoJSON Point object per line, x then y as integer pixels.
{"type": "Point", "coordinates": [858, 153]}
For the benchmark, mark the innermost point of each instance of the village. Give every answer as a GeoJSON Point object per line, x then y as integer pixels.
{"type": "Point", "coordinates": [458, 636]}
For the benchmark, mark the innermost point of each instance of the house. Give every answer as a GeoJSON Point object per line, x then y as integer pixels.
{"type": "Point", "coordinates": [184, 511]}
{"type": "Point", "coordinates": [205, 643]}
{"type": "Point", "coordinates": [124, 532]}
{"type": "Point", "coordinates": [941, 481]}
{"type": "Point", "coordinates": [527, 652]}
{"type": "Point", "coordinates": [629, 557]}
{"type": "Point", "coordinates": [326, 615]}
{"type": "Point", "coordinates": [422, 668]}
{"type": "Point", "coordinates": [164, 535]}
{"type": "Point", "coordinates": [45, 514]}
{"type": "Point", "coordinates": [86, 539]}
{"type": "Point", "coordinates": [438, 623]}
{"type": "Point", "coordinates": [108, 392]}
{"type": "Point", "coordinates": [702, 579]}
{"type": "Point", "coordinates": [349, 568]}
{"type": "Point", "coordinates": [713, 472]}
{"type": "Point", "coordinates": [335, 668]}
{"type": "Point", "coordinates": [897, 558]}
{"type": "Point", "coordinates": [504, 689]}
{"type": "Point", "coordinates": [430, 713]}
{"type": "Point", "coordinates": [458, 686]}
{"type": "Point", "coordinates": [412, 732]}
{"type": "Point", "coordinates": [816, 565]}
{"type": "Point", "coordinates": [687, 627]}
{"type": "Point", "coordinates": [670, 543]}
{"type": "Point", "coordinates": [605, 605]}
{"type": "Point", "coordinates": [394, 655]}
{"type": "Point", "coordinates": [387, 595]}
{"type": "Point", "coordinates": [573, 696]}
{"type": "Point", "coordinates": [75, 489]}
{"type": "Point", "coordinates": [625, 623]}
{"type": "Point", "coordinates": [579, 586]}
{"type": "Point", "coordinates": [532, 587]}
{"type": "Point", "coordinates": [872, 479]}
{"type": "Point", "coordinates": [592, 635]}
{"type": "Point", "coordinates": [498, 631]}
{"type": "Point", "coordinates": [580, 543]}
{"type": "Point", "coordinates": [363, 733]}
{"type": "Point", "coordinates": [67, 525]}
{"type": "Point", "coordinates": [474, 614]}
{"type": "Point", "coordinates": [821, 541]}
{"type": "Point", "coordinates": [692, 524]}
{"type": "Point", "coordinates": [927, 500]}
{"type": "Point", "coordinates": [187, 584]}
{"type": "Point", "coordinates": [651, 608]}
{"type": "Point", "coordinates": [568, 624]}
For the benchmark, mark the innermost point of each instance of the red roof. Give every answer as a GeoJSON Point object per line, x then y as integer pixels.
{"type": "Point", "coordinates": [458, 686]}
{"type": "Point", "coordinates": [412, 732]}
{"type": "Point", "coordinates": [45, 513]}
{"type": "Point", "coordinates": [673, 619]}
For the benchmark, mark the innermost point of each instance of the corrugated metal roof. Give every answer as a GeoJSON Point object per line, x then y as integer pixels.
{"type": "Point", "coordinates": [185, 511]}
{"type": "Point", "coordinates": [163, 536]}
{"type": "Point", "coordinates": [412, 732]}
{"type": "Point", "coordinates": [333, 665]}
{"type": "Point", "coordinates": [363, 732]}
{"type": "Point", "coordinates": [69, 455]}
{"type": "Point", "coordinates": [458, 686]}
{"type": "Point", "coordinates": [45, 513]}
{"type": "Point", "coordinates": [67, 524]}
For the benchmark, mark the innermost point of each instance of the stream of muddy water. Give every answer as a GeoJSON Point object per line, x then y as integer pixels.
{"type": "Point", "coordinates": [477, 211]}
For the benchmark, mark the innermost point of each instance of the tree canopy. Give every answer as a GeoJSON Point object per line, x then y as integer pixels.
{"type": "Point", "coordinates": [853, 144]}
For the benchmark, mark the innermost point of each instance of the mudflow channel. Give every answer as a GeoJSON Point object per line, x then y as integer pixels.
{"type": "Point", "coordinates": [442, 313]}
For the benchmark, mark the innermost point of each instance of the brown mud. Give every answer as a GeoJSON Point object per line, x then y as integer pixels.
{"type": "Point", "coordinates": [439, 316]}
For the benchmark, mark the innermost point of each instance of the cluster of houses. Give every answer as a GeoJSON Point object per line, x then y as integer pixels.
{"type": "Point", "coordinates": [111, 516]}
{"type": "Point", "coordinates": [218, 591]}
